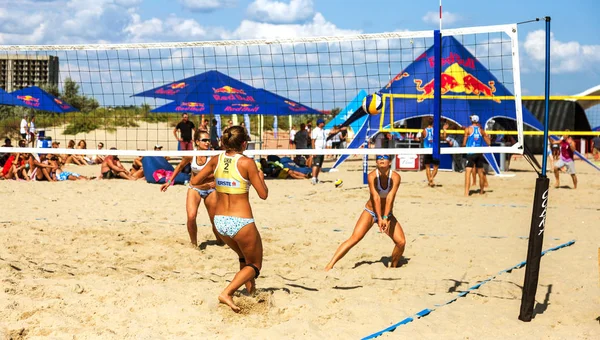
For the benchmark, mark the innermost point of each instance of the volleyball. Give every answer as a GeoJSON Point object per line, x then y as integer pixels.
{"type": "Point", "coordinates": [372, 104]}
{"type": "Point", "coordinates": [338, 183]}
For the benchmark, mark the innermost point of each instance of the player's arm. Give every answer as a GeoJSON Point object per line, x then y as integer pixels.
{"type": "Point", "coordinates": [205, 172]}
{"type": "Point", "coordinates": [466, 136]}
{"type": "Point", "coordinates": [256, 177]}
{"type": "Point", "coordinates": [486, 137]}
{"type": "Point", "coordinates": [184, 161]}
{"type": "Point", "coordinates": [375, 196]}
{"type": "Point", "coordinates": [389, 200]}
{"type": "Point", "coordinates": [571, 144]}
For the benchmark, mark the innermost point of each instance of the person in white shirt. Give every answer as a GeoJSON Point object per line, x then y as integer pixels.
{"type": "Point", "coordinates": [24, 128]}
{"type": "Point", "coordinates": [319, 141]}
{"type": "Point", "coordinates": [292, 136]}
{"type": "Point", "coordinates": [31, 135]}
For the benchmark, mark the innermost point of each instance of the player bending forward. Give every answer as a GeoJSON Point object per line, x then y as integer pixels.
{"type": "Point", "coordinates": [383, 186]}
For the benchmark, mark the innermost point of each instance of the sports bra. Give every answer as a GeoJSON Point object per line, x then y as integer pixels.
{"type": "Point", "coordinates": [228, 179]}
{"type": "Point", "coordinates": [196, 168]}
{"type": "Point", "coordinates": [383, 192]}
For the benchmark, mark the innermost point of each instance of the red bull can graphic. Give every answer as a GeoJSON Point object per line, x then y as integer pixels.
{"type": "Point", "coordinates": [172, 89]}
{"type": "Point", "coordinates": [456, 79]}
{"type": "Point", "coordinates": [30, 100]}
{"type": "Point", "coordinates": [231, 93]}
{"type": "Point", "coordinates": [190, 107]}
{"type": "Point", "coordinates": [244, 108]}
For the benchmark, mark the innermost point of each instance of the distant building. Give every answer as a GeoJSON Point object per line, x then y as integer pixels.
{"type": "Point", "coordinates": [18, 71]}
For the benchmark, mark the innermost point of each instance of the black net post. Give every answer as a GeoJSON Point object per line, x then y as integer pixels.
{"type": "Point", "coordinates": [534, 249]}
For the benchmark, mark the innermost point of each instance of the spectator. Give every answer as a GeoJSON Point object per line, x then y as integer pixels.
{"type": "Point", "coordinates": [292, 136]}
{"type": "Point", "coordinates": [301, 138]}
{"type": "Point", "coordinates": [319, 142]}
{"type": "Point", "coordinates": [452, 142]}
{"type": "Point", "coordinates": [4, 156]}
{"type": "Point", "coordinates": [229, 123]}
{"type": "Point", "coordinates": [567, 148]}
{"type": "Point", "coordinates": [214, 136]}
{"type": "Point", "coordinates": [24, 127]}
{"type": "Point", "coordinates": [428, 160]}
{"type": "Point", "coordinates": [596, 147]}
{"type": "Point", "coordinates": [204, 126]}
{"type": "Point", "coordinates": [98, 159]}
{"type": "Point", "coordinates": [186, 131]}
{"type": "Point", "coordinates": [242, 124]}
{"type": "Point", "coordinates": [112, 168]}
{"type": "Point", "coordinates": [31, 132]}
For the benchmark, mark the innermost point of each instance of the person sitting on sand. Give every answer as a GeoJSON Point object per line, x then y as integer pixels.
{"type": "Point", "coordinates": [234, 174]}
{"type": "Point", "coordinates": [383, 186]}
{"type": "Point", "coordinates": [112, 168]}
{"type": "Point", "coordinates": [41, 169]}
{"type": "Point", "coordinates": [60, 175]}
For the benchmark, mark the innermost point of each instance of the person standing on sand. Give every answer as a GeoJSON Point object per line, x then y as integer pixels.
{"type": "Point", "coordinates": [234, 174]}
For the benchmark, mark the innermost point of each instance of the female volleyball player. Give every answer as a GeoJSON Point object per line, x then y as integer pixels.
{"type": "Point", "coordinates": [234, 173]}
{"type": "Point", "coordinates": [383, 186]}
{"type": "Point", "coordinates": [203, 190]}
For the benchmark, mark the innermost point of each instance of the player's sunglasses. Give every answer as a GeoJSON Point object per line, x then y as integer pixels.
{"type": "Point", "coordinates": [380, 157]}
{"type": "Point", "coordinates": [205, 140]}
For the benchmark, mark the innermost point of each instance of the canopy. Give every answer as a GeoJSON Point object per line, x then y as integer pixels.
{"type": "Point", "coordinates": [217, 93]}
{"type": "Point", "coordinates": [36, 98]}
{"type": "Point", "coordinates": [8, 99]}
{"type": "Point", "coordinates": [469, 88]}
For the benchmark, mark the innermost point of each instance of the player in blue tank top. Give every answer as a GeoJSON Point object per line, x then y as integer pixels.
{"type": "Point", "coordinates": [474, 137]}
{"type": "Point", "coordinates": [428, 160]}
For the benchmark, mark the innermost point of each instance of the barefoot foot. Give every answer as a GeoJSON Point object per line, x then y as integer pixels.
{"type": "Point", "coordinates": [228, 300]}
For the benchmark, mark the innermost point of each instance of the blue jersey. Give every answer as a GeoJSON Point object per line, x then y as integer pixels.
{"type": "Point", "coordinates": [428, 141]}
{"type": "Point", "coordinates": [475, 138]}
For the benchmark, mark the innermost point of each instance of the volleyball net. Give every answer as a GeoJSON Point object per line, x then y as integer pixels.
{"type": "Point", "coordinates": [133, 96]}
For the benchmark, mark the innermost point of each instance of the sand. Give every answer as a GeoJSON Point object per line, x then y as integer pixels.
{"type": "Point", "coordinates": [110, 259]}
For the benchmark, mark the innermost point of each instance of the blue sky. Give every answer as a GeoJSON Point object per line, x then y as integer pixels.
{"type": "Point", "coordinates": [575, 25]}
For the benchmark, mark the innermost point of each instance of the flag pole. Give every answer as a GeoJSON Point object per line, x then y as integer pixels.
{"type": "Point", "coordinates": [440, 15]}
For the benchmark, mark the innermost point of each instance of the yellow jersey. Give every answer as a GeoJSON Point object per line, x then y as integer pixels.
{"type": "Point", "coordinates": [227, 177]}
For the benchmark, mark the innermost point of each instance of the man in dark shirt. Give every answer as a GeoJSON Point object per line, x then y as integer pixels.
{"type": "Point", "coordinates": [301, 138]}
{"type": "Point", "coordinates": [214, 136]}
{"type": "Point", "coordinates": [186, 131]}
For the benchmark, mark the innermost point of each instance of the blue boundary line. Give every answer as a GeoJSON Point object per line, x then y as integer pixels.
{"type": "Point", "coordinates": [428, 311]}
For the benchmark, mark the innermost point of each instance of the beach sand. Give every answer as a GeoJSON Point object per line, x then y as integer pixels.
{"type": "Point", "coordinates": [111, 259]}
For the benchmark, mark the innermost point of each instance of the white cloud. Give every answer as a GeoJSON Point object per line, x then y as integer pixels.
{"type": "Point", "coordinates": [447, 18]}
{"type": "Point", "coordinates": [279, 12]}
{"type": "Point", "coordinates": [258, 30]}
{"type": "Point", "coordinates": [565, 56]}
{"type": "Point", "coordinates": [172, 28]}
{"type": "Point", "coordinates": [206, 5]}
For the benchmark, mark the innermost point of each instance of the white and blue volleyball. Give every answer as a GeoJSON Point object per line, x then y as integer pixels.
{"type": "Point", "coordinates": [372, 104]}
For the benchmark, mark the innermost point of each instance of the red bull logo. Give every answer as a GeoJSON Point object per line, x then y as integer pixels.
{"type": "Point", "coordinates": [30, 100]}
{"type": "Point", "coordinates": [245, 108]}
{"type": "Point", "coordinates": [456, 79]}
{"type": "Point", "coordinates": [172, 88]}
{"type": "Point", "coordinates": [231, 93]}
{"type": "Point", "coordinates": [190, 107]}
{"type": "Point", "coordinates": [295, 107]}
{"type": "Point", "coordinates": [229, 90]}
{"type": "Point", "coordinates": [61, 104]}
{"type": "Point", "coordinates": [396, 78]}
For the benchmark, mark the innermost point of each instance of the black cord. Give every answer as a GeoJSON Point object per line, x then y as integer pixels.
{"type": "Point", "coordinates": [528, 21]}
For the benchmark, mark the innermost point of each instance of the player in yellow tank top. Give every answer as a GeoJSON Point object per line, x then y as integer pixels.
{"type": "Point", "coordinates": [227, 176]}
{"type": "Point", "coordinates": [234, 221]}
